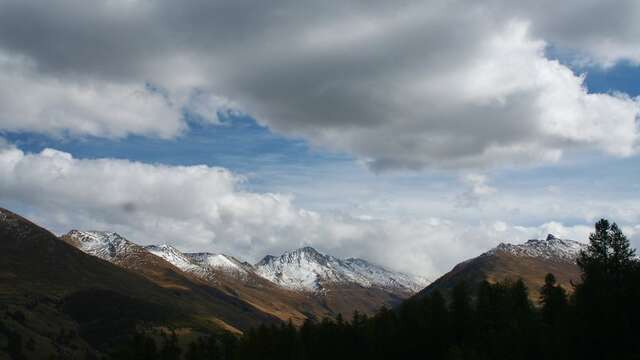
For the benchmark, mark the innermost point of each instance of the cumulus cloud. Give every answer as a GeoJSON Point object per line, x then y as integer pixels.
{"type": "Point", "coordinates": [445, 84]}
{"type": "Point", "coordinates": [202, 208]}
{"type": "Point", "coordinates": [190, 205]}
{"type": "Point", "coordinates": [600, 32]}
{"type": "Point", "coordinates": [399, 85]}
{"type": "Point", "coordinates": [31, 101]}
{"type": "Point", "coordinates": [478, 188]}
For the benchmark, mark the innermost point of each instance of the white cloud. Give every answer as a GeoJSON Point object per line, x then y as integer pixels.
{"type": "Point", "coordinates": [477, 190]}
{"type": "Point", "coordinates": [445, 84]}
{"type": "Point", "coordinates": [411, 85]}
{"type": "Point", "coordinates": [32, 101]}
{"type": "Point", "coordinates": [206, 208]}
{"type": "Point", "coordinates": [602, 32]}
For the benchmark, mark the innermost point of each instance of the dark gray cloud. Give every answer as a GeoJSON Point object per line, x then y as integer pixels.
{"type": "Point", "coordinates": [398, 84]}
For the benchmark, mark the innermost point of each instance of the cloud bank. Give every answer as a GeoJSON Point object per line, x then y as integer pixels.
{"type": "Point", "coordinates": [399, 85]}
{"type": "Point", "coordinates": [206, 208]}
{"type": "Point", "coordinates": [446, 84]}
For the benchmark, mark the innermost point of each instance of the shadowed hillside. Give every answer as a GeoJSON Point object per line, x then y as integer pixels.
{"type": "Point", "coordinates": [70, 302]}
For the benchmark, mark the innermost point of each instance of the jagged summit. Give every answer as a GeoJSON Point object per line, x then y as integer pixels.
{"type": "Point", "coordinates": [222, 262]}
{"type": "Point", "coordinates": [205, 265]}
{"type": "Point", "coordinates": [302, 269]}
{"type": "Point", "coordinates": [307, 269]}
{"type": "Point", "coordinates": [304, 251]}
{"type": "Point", "coordinates": [265, 260]}
{"type": "Point", "coordinates": [177, 259]}
{"type": "Point", "coordinates": [197, 283]}
{"type": "Point", "coordinates": [308, 250]}
{"type": "Point", "coordinates": [106, 245]}
{"type": "Point", "coordinates": [553, 248]}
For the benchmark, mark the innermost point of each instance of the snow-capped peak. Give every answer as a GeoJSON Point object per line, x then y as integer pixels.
{"type": "Point", "coordinates": [383, 277]}
{"type": "Point", "coordinates": [303, 269]}
{"type": "Point", "coordinates": [309, 270]}
{"type": "Point", "coordinates": [175, 257]}
{"type": "Point", "coordinates": [103, 244]}
{"type": "Point", "coordinates": [552, 248]}
{"type": "Point", "coordinates": [222, 262]}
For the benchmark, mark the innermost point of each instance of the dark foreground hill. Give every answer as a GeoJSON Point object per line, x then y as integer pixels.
{"type": "Point", "coordinates": [85, 292]}
{"type": "Point", "coordinates": [61, 301]}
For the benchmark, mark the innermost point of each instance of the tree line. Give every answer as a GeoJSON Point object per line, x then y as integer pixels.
{"type": "Point", "coordinates": [599, 320]}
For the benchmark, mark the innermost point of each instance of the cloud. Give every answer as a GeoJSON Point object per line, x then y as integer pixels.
{"type": "Point", "coordinates": [31, 101]}
{"type": "Point", "coordinates": [202, 208]}
{"type": "Point", "coordinates": [400, 85]}
{"type": "Point", "coordinates": [600, 31]}
{"type": "Point", "coordinates": [478, 188]}
{"type": "Point", "coordinates": [189, 205]}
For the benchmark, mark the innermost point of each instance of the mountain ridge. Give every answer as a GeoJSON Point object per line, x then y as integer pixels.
{"type": "Point", "coordinates": [346, 285]}
{"type": "Point", "coordinates": [58, 288]}
{"type": "Point", "coordinates": [530, 261]}
{"type": "Point", "coordinates": [307, 269]}
{"type": "Point", "coordinates": [321, 268]}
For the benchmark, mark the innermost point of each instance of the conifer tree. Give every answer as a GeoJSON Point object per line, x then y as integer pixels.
{"type": "Point", "coordinates": [553, 299]}
{"type": "Point", "coordinates": [604, 300]}
{"type": "Point", "coordinates": [170, 349]}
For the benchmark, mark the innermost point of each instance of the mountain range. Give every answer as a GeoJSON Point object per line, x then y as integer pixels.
{"type": "Point", "coordinates": [297, 285]}
{"type": "Point", "coordinates": [75, 305]}
{"type": "Point", "coordinates": [80, 293]}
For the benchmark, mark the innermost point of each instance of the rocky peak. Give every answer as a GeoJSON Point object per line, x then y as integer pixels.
{"type": "Point", "coordinates": [103, 244]}
{"type": "Point", "coordinates": [552, 248]}
{"type": "Point", "coordinates": [309, 270]}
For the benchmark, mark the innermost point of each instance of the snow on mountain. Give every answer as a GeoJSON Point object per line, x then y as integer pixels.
{"type": "Point", "coordinates": [221, 262]}
{"type": "Point", "coordinates": [551, 249]}
{"type": "Point", "coordinates": [204, 264]}
{"type": "Point", "coordinates": [177, 259]}
{"type": "Point", "coordinates": [103, 244]}
{"type": "Point", "coordinates": [386, 278]}
{"type": "Point", "coordinates": [114, 248]}
{"type": "Point", "coordinates": [308, 270]}
{"type": "Point", "coordinates": [303, 269]}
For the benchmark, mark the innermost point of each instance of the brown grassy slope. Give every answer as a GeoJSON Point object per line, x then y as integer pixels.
{"type": "Point", "coordinates": [35, 264]}
{"type": "Point", "coordinates": [296, 305]}
{"type": "Point", "coordinates": [261, 293]}
{"type": "Point", "coordinates": [273, 299]}
{"type": "Point", "coordinates": [252, 289]}
{"type": "Point", "coordinates": [500, 266]}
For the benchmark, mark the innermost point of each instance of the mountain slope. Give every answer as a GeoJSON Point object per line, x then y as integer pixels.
{"type": "Point", "coordinates": [306, 269]}
{"type": "Point", "coordinates": [317, 285]}
{"type": "Point", "coordinates": [341, 285]}
{"type": "Point", "coordinates": [56, 288]}
{"type": "Point", "coordinates": [222, 263]}
{"type": "Point", "coordinates": [170, 268]}
{"type": "Point", "coordinates": [240, 280]}
{"type": "Point", "coordinates": [530, 261]}
{"type": "Point", "coordinates": [180, 261]}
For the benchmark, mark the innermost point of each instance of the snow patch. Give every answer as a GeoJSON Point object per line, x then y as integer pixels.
{"type": "Point", "coordinates": [224, 263]}
{"type": "Point", "coordinates": [306, 269]}
{"type": "Point", "coordinates": [103, 244]}
{"type": "Point", "coordinates": [552, 248]}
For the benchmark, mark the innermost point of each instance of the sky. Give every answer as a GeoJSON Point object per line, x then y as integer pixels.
{"type": "Point", "coordinates": [413, 134]}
